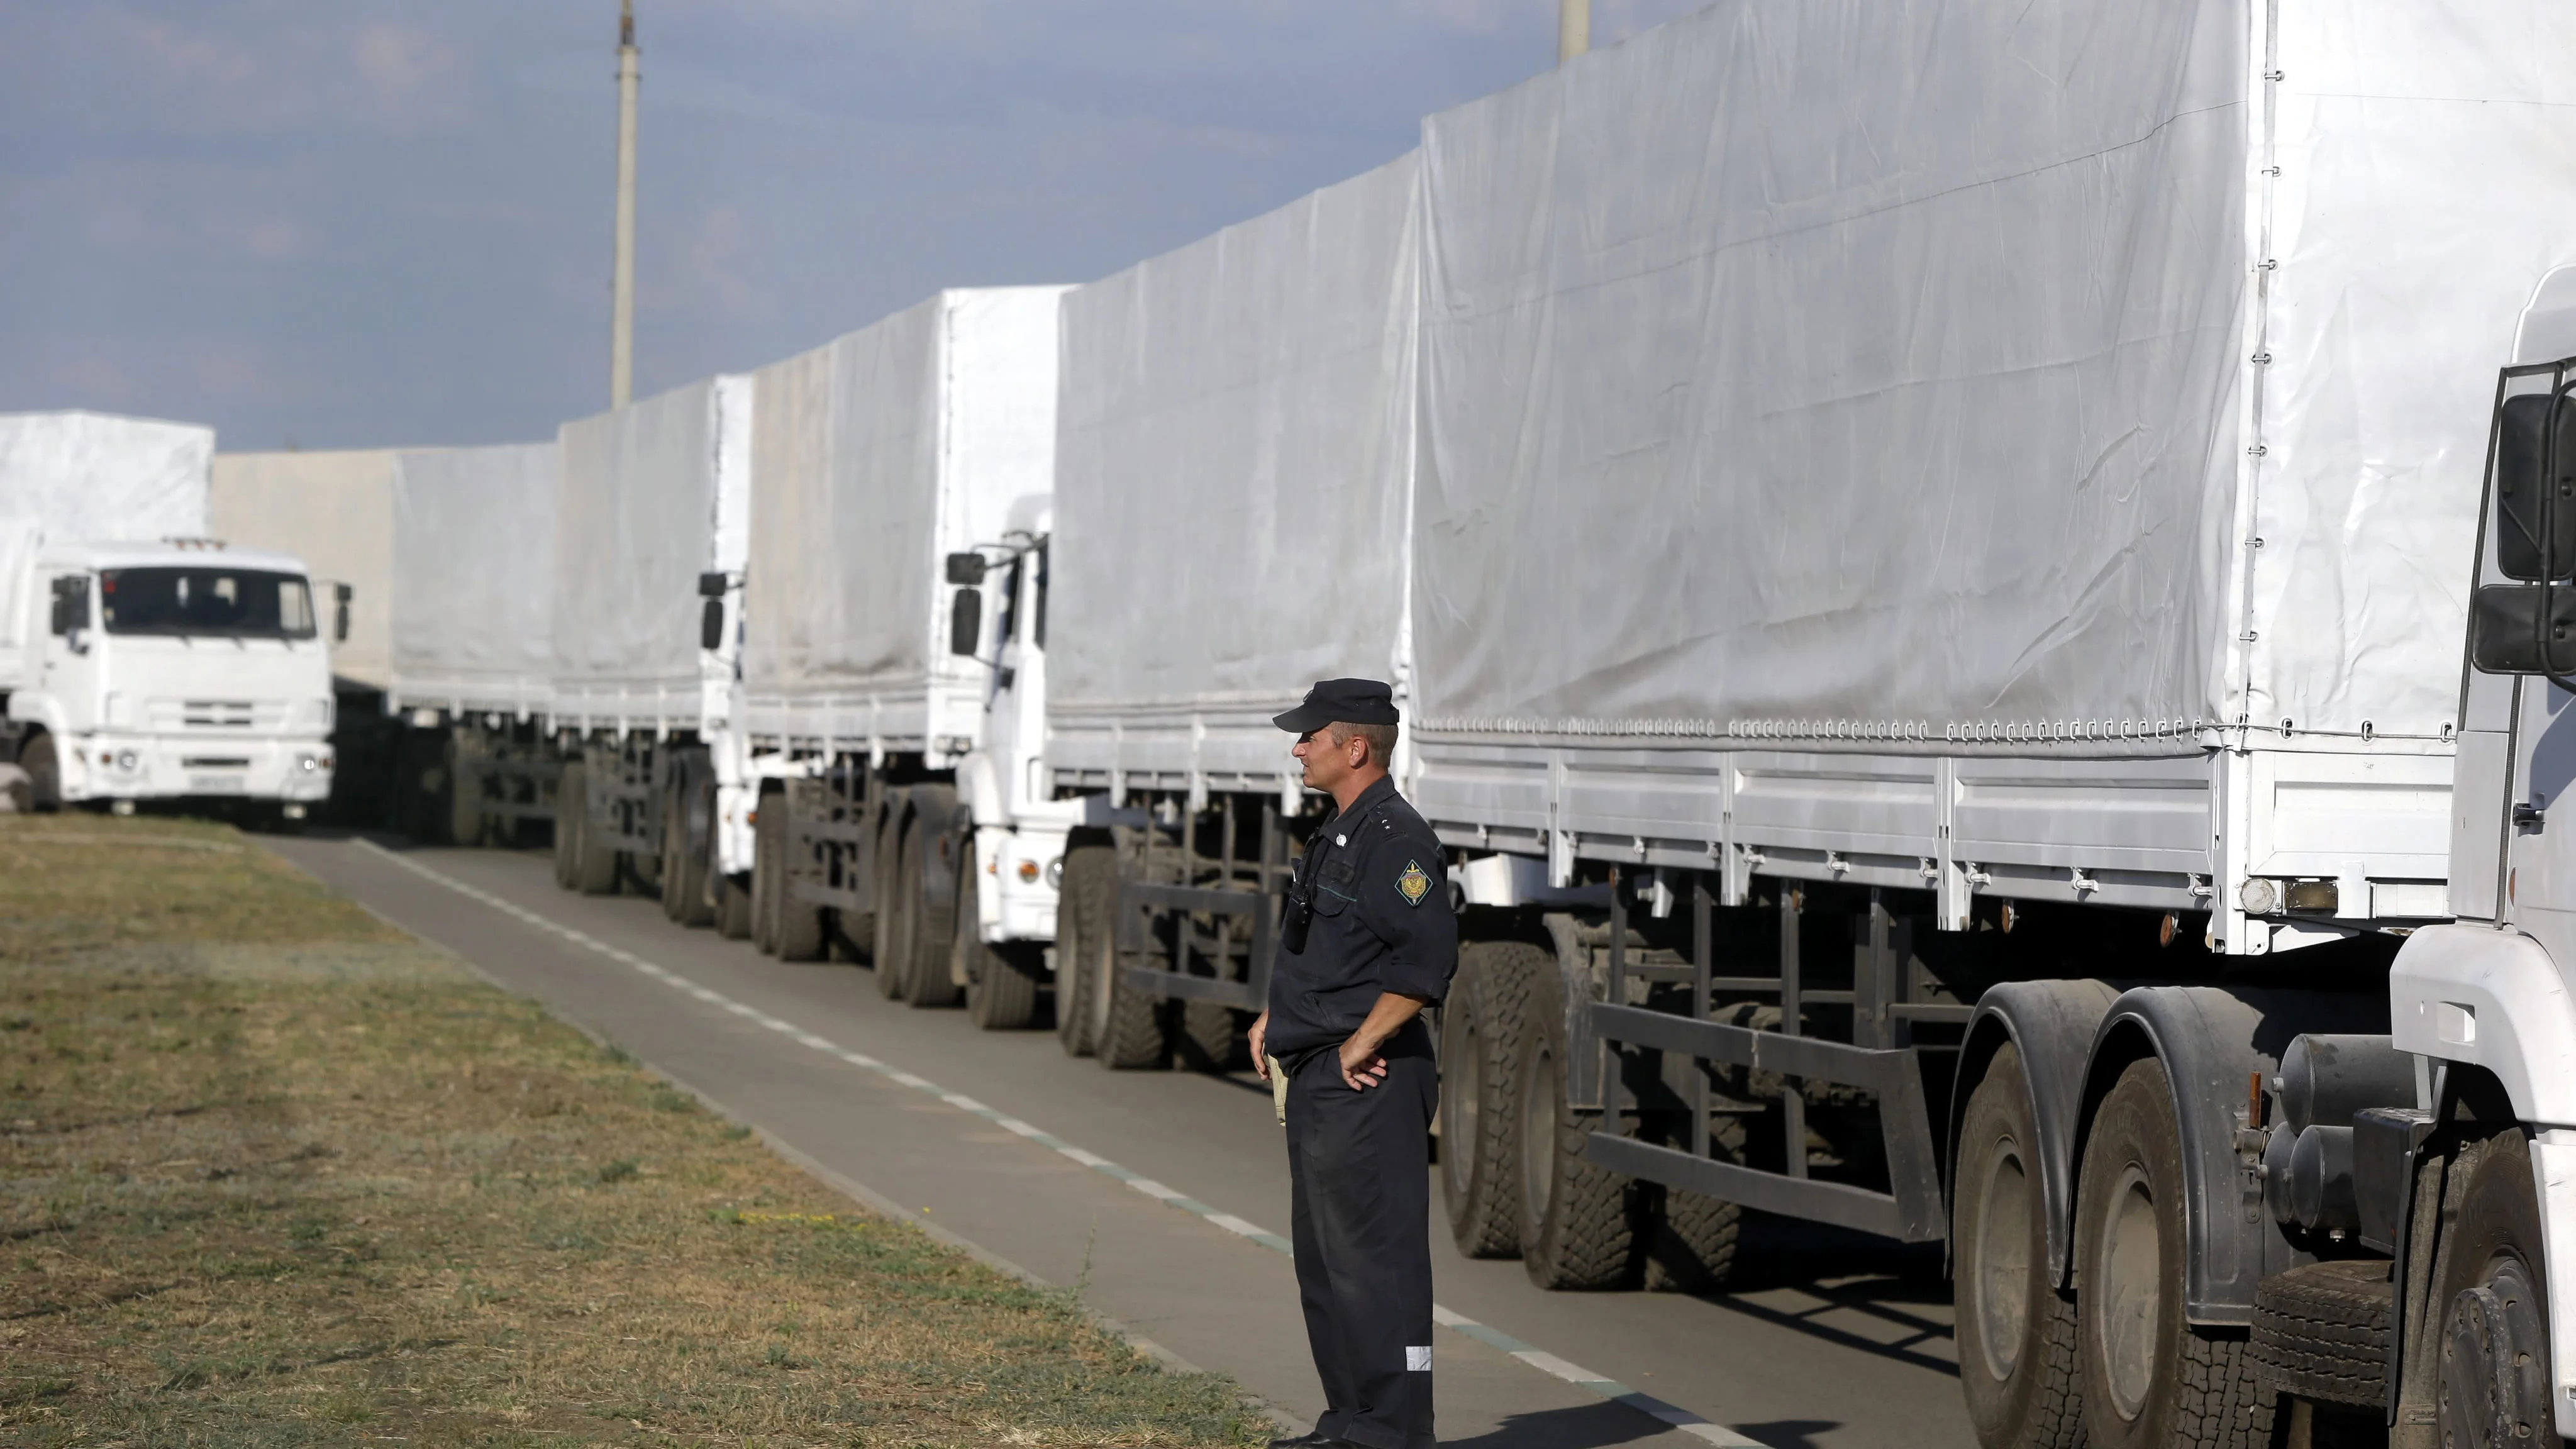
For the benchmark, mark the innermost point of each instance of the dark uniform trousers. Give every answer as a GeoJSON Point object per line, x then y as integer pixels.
{"type": "Point", "coordinates": [1360, 1163]}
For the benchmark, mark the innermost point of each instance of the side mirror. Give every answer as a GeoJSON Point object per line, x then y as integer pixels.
{"type": "Point", "coordinates": [2535, 477]}
{"type": "Point", "coordinates": [965, 620]}
{"type": "Point", "coordinates": [966, 568]}
{"type": "Point", "coordinates": [71, 604]}
{"type": "Point", "coordinates": [711, 625]}
{"type": "Point", "coordinates": [711, 585]}
{"type": "Point", "coordinates": [340, 594]}
{"type": "Point", "coordinates": [2507, 634]}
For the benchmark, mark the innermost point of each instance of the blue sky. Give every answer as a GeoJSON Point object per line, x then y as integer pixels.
{"type": "Point", "coordinates": [346, 223]}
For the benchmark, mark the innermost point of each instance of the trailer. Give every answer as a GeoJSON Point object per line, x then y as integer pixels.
{"type": "Point", "coordinates": [651, 530]}
{"type": "Point", "coordinates": [1939, 574]}
{"type": "Point", "coordinates": [335, 511]}
{"type": "Point", "coordinates": [887, 715]}
{"type": "Point", "coordinates": [471, 641]}
{"type": "Point", "coordinates": [1234, 465]}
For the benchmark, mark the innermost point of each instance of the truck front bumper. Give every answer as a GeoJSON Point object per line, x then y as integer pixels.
{"type": "Point", "coordinates": [125, 765]}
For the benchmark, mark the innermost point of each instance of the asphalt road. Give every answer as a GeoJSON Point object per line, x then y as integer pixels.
{"type": "Point", "coordinates": [1163, 1193]}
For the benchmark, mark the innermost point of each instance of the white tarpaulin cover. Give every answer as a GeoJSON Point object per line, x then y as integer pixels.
{"type": "Point", "coordinates": [474, 540]}
{"type": "Point", "coordinates": [644, 495]}
{"type": "Point", "coordinates": [335, 511]}
{"type": "Point", "coordinates": [877, 454]}
{"type": "Point", "coordinates": [1823, 366]}
{"type": "Point", "coordinates": [1233, 465]}
{"type": "Point", "coordinates": [75, 477]}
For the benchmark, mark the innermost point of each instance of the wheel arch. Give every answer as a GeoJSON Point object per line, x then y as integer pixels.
{"type": "Point", "coordinates": [2212, 1041]}
{"type": "Point", "coordinates": [2052, 1025]}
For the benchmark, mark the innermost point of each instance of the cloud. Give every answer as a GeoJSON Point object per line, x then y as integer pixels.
{"type": "Point", "coordinates": [360, 221]}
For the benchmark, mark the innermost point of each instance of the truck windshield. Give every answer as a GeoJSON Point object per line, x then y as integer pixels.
{"type": "Point", "coordinates": [199, 601]}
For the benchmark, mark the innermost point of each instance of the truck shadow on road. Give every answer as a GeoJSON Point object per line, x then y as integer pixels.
{"type": "Point", "coordinates": [1597, 1426]}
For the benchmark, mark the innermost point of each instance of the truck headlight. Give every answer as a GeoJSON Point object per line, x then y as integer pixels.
{"type": "Point", "coordinates": [308, 763]}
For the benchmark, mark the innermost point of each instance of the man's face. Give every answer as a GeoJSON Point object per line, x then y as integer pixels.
{"type": "Point", "coordinates": [1327, 757]}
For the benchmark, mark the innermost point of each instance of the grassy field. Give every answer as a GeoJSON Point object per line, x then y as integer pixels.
{"type": "Point", "coordinates": [272, 1173]}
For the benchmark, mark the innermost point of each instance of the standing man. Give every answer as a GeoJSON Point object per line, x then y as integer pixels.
{"type": "Point", "coordinates": [1367, 941]}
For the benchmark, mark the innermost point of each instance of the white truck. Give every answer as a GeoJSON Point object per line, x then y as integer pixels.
{"type": "Point", "coordinates": [1940, 566]}
{"type": "Point", "coordinates": [471, 673]}
{"type": "Point", "coordinates": [167, 668]}
{"type": "Point", "coordinates": [889, 716]}
{"type": "Point", "coordinates": [651, 528]}
{"type": "Point", "coordinates": [1233, 487]}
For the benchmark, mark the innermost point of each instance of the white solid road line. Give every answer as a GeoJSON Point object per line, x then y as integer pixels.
{"type": "Point", "coordinates": [1611, 1389]}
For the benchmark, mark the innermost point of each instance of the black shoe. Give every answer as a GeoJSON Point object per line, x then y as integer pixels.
{"type": "Point", "coordinates": [1308, 1440]}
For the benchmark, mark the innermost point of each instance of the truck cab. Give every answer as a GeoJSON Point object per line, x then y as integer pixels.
{"type": "Point", "coordinates": [181, 669]}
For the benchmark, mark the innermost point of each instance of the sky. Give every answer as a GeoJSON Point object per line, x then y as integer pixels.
{"type": "Point", "coordinates": [353, 223]}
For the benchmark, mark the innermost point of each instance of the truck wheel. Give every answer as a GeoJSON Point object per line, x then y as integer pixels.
{"type": "Point", "coordinates": [678, 883]}
{"type": "Point", "coordinates": [693, 874]}
{"type": "Point", "coordinates": [44, 775]}
{"type": "Point", "coordinates": [1075, 900]}
{"type": "Point", "coordinates": [1578, 1225]}
{"type": "Point", "coordinates": [2150, 1380]}
{"type": "Point", "coordinates": [768, 849]}
{"type": "Point", "coordinates": [999, 995]}
{"type": "Point", "coordinates": [465, 821]}
{"type": "Point", "coordinates": [1693, 1242]}
{"type": "Point", "coordinates": [1126, 1024]}
{"type": "Point", "coordinates": [934, 912]}
{"type": "Point", "coordinates": [1480, 1030]}
{"type": "Point", "coordinates": [1211, 1037]}
{"type": "Point", "coordinates": [2016, 1331]}
{"type": "Point", "coordinates": [796, 927]}
{"type": "Point", "coordinates": [567, 824]}
{"type": "Point", "coordinates": [594, 863]}
{"type": "Point", "coordinates": [733, 906]}
{"type": "Point", "coordinates": [2321, 1331]}
{"type": "Point", "coordinates": [2494, 1335]}
{"type": "Point", "coordinates": [892, 954]}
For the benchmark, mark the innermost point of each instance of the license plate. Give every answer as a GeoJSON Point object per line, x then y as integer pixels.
{"type": "Point", "coordinates": [218, 784]}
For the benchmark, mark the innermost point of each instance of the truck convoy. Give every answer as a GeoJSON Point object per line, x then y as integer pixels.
{"type": "Point", "coordinates": [1981, 598]}
{"type": "Point", "coordinates": [139, 659]}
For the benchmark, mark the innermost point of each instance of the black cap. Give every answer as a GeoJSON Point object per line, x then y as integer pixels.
{"type": "Point", "coordinates": [1341, 701]}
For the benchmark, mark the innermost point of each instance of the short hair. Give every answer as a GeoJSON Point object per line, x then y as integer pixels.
{"type": "Point", "coordinates": [1380, 737]}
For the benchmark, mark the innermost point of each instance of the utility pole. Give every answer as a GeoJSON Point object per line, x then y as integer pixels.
{"type": "Point", "coordinates": [1573, 29]}
{"type": "Point", "coordinates": [621, 326]}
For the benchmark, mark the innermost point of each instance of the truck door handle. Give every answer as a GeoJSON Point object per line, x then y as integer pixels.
{"type": "Point", "coordinates": [2526, 816]}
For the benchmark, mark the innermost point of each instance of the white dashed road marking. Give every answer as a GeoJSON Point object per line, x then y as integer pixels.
{"type": "Point", "coordinates": [1611, 1389]}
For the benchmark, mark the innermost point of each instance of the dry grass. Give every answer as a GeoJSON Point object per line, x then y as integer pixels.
{"type": "Point", "coordinates": [273, 1174]}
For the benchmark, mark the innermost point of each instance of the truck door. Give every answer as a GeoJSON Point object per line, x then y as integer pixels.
{"type": "Point", "coordinates": [71, 656]}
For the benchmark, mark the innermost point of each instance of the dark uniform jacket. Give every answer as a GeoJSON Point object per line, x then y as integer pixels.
{"type": "Point", "coordinates": [1382, 923]}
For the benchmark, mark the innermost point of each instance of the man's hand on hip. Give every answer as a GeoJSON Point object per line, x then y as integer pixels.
{"type": "Point", "coordinates": [1362, 1064]}
{"type": "Point", "coordinates": [1259, 1036]}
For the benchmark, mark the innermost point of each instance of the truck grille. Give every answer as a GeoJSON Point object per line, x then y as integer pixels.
{"type": "Point", "coordinates": [215, 762]}
{"type": "Point", "coordinates": [217, 714]}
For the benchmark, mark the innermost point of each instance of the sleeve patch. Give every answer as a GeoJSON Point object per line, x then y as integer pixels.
{"type": "Point", "coordinates": [1414, 884]}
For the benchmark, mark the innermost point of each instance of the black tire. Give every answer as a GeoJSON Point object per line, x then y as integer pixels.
{"type": "Point", "coordinates": [465, 824]}
{"type": "Point", "coordinates": [568, 795]}
{"type": "Point", "coordinates": [1480, 1031]}
{"type": "Point", "coordinates": [44, 775]}
{"type": "Point", "coordinates": [1126, 1024]}
{"type": "Point", "coordinates": [692, 876]}
{"type": "Point", "coordinates": [678, 881]}
{"type": "Point", "coordinates": [2151, 1381]}
{"type": "Point", "coordinates": [594, 865]}
{"type": "Point", "coordinates": [733, 906]}
{"type": "Point", "coordinates": [1578, 1224]}
{"type": "Point", "coordinates": [892, 951]}
{"type": "Point", "coordinates": [796, 929]}
{"type": "Point", "coordinates": [935, 835]}
{"type": "Point", "coordinates": [1694, 1243]}
{"type": "Point", "coordinates": [1000, 996]}
{"type": "Point", "coordinates": [2493, 1337]}
{"type": "Point", "coordinates": [768, 854]}
{"type": "Point", "coordinates": [1075, 900]}
{"type": "Point", "coordinates": [1210, 1036]}
{"type": "Point", "coordinates": [2016, 1332]}
{"type": "Point", "coordinates": [2321, 1331]}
